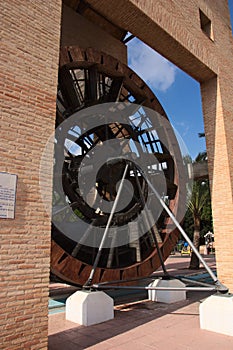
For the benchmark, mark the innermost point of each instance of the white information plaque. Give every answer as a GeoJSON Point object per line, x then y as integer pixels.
{"type": "Point", "coordinates": [7, 195]}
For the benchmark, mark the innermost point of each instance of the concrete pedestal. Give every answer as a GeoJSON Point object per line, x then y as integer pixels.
{"type": "Point", "coordinates": [216, 314]}
{"type": "Point", "coordinates": [166, 296]}
{"type": "Point", "coordinates": [88, 308]}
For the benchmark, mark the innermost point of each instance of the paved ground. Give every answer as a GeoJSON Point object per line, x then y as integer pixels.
{"type": "Point", "coordinates": [143, 324]}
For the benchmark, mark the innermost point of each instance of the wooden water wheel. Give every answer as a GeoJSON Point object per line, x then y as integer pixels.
{"type": "Point", "coordinates": [90, 78]}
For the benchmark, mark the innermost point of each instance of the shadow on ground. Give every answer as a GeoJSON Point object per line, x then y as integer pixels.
{"type": "Point", "coordinates": [128, 317]}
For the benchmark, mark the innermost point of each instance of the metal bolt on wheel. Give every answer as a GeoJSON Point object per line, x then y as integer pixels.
{"type": "Point", "coordinates": [88, 80]}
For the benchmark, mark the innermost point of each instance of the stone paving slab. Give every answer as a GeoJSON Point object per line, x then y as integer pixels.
{"type": "Point", "coordinates": [142, 325]}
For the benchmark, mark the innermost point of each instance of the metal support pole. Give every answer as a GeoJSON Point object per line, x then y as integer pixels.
{"type": "Point", "coordinates": [89, 281]}
{"type": "Point", "coordinates": [82, 240]}
{"type": "Point", "coordinates": [150, 224]}
{"type": "Point", "coordinates": [222, 288]}
{"type": "Point", "coordinates": [197, 289]}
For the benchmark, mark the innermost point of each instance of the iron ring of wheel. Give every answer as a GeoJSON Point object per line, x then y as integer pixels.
{"type": "Point", "coordinates": [88, 78]}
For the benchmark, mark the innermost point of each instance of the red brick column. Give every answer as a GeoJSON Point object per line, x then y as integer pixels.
{"type": "Point", "coordinates": [29, 62]}
{"type": "Point", "coordinates": [218, 116]}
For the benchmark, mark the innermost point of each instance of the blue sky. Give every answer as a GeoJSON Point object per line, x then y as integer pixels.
{"type": "Point", "coordinates": [178, 93]}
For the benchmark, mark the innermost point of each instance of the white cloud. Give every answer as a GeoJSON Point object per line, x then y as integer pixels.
{"type": "Point", "coordinates": [180, 124]}
{"type": "Point", "coordinates": [154, 69]}
{"type": "Point", "coordinates": [183, 128]}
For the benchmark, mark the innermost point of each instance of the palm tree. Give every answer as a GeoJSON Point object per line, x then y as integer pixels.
{"type": "Point", "coordinates": [202, 156]}
{"type": "Point", "coordinates": [199, 199]}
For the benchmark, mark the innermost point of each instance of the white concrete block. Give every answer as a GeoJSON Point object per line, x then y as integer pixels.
{"type": "Point", "coordinates": [166, 296]}
{"type": "Point", "coordinates": [216, 314]}
{"type": "Point", "coordinates": [89, 307]}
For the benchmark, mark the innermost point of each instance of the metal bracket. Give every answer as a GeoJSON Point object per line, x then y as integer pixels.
{"type": "Point", "coordinates": [219, 286]}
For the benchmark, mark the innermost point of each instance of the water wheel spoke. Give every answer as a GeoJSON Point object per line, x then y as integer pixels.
{"type": "Point", "coordinates": [84, 83]}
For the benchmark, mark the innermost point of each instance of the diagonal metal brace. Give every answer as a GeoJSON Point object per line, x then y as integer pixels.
{"type": "Point", "coordinates": [89, 281]}
{"type": "Point", "coordinates": [219, 286]}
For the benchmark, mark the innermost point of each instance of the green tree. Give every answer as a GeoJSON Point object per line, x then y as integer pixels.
{"type": "Point", "coordinates": [187, 224]}
{"type": "Point", "coordinates": [198, 206]}
{"type": "Point", "coordinates": [202, 156]}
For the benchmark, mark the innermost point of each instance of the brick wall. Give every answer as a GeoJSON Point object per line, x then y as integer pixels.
{"type": "Point", "coordinates": [28, 79]}
{"type": "Point", "coordinates": [77, 30]}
